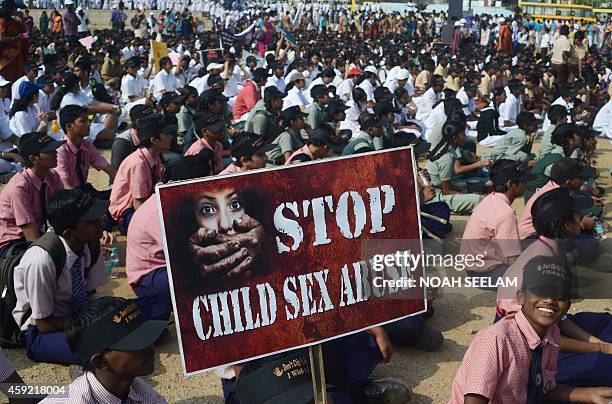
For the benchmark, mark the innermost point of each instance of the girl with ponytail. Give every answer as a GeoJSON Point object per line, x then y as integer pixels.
{"type": "Point", "coordinates": [441, 167]}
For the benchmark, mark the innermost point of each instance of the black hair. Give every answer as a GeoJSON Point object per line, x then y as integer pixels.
{"type": "Point", "coordinates": [359, 94]}
{"type": "Point", "coordinates": [87, 315]}
{"type": "Point", "coordinates": [458, 115]}
{"type": "Point", "coordinates": [400, 92]}
{"type": "Point", "coordinates": [67, 115]}
{"type": "Point", "coordinates": [550, 228]}
{"type": "Point", "coordinates": [21, 104]}
{"type": "Point", "coordinates": [523, 119]}
{"type": "Point", "coordinates": [163, 61]}
{"type": "Point", "coordinates": [501, 165]}
{"type": "Point", "coordinates": [450, 129]}
{"type": "Point", "coordinates": [70, 80]}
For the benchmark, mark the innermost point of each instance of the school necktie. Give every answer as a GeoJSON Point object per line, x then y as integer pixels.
{"type": "Point", "coordinates": [154, 178]}
{"type": "Point", "coordinates": [79, 168]}
{"type": "Point", "coordinates": [79, 293]}
{"type": "Point", "coordinates": [42, 194]}
{"type": "Point", "coordinates": [535, 388]}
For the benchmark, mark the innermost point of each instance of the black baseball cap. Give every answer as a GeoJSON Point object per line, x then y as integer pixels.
{"type": "Point", "coordinates": [322, 133]}
{"type": "Point", "coordinates": [210, 121]}
{"type": "Point", "coordinates": [37, 142]}
{"type": "Point", "coordinates": [152, 125]}
{"type": "Point", "coordinates": [125, 329]}
{"type": "Point", "coordinates": [85, 208]}
{"type": "Point", "coordinates": [558, 203]}
{"type": "Point", "coordinates": [212, 95]}
{"type": "Point", "coordinates": [138, 112]}
{"type": "Point", "coordinates": [569, 168]}
{"type": "Point", "coordinates": [285, 379]}
{"type": "Point", "coordinates": [547, 277]}
{"type": "Point", "coordinates": [292, 113]}
{"type": "Point", "coordinates": [260, 73]}
{"type": "Point", "coordinates": [248, 144]}
{"type": "Point", "coordinates": [271, 93]}
{"type": "Point", "coordinates": [509, 170]}
{"type": "Point", "coordinates": [335, 106]}
{"type": "Point", "coordinates": [171, 97]}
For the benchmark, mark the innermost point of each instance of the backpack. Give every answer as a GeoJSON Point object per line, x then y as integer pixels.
{"type": "Point", "coordinates": [441, 210]}
{"type": "Point", "coordinates": [10, 332]}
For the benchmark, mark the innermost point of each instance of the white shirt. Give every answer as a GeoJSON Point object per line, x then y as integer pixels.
{"type": "Point", "coordinates": [294, 97]}
{"type": "Point", "coordinates": [352, 118]}
{"type": "Point", "coordinates": [231, 85]}
{"type": "Point", "coordinates": [277, 82]}
{"type": "Point", "coordinates": [368, 88]}
{"type": "Point", "coordinates": [465, 100]}
{"type": "Point", "coordinates": [425, 104]}
{"type": "Point", "coordinates": [78, 98]}
{"type": "Point", "coordinates": [36, 286]}
{"type": "Point", "coordinates": [44, 101]}
{"type": "Point", "coordinates": [24, 121]}
{"type": "Point", "coordinates": [200, 84]}
{"type": "Point", "coordinates": [559, 101]}
{"type": "Point", "coordinates": [164, 82]}
{"type": "Point", "coordinates": [393, 85]}
{"type": "Point", "coordinates": [132, 87]}
{"type": "Point", "coordinates": [509, 110]}
{"type": "Point", "coordinates": [185, 76]}
{"type": "Point", "coordinates": [345, 89]}
{"type": "Point", "coordinates": [603, 120]}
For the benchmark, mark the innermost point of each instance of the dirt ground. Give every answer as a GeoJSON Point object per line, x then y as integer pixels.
{"type": "Point", "coordinates": [458, 314]}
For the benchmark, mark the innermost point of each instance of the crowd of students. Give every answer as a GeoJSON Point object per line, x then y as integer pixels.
{"type": "Point", "coordinates": [298, 88]}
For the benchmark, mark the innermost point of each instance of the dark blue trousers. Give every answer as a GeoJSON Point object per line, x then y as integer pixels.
{"type": "Point", "coordinates": [403, 332]}
{"type": "Point", "coordinates": [49, 348]}
{"type": "Point", "coordinates": [592, 369]}
{"type": "Point", "coordinates": [349, 361]}
{"type": "Point", "coordinates": [153, 294]}
{"type": "Point", "coordinates": [126, 218]}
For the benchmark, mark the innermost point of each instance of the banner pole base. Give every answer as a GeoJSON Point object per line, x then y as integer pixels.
{"type": "Point", "coordinates": [318, 374]}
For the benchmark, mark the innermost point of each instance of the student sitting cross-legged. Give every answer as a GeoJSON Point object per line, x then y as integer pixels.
{"type": "Point", "coordinates": [47, 295]}
{"type": "Point", "coordinates": [515, 360]}
{"type": "Point", "coordinates": [115, 344]}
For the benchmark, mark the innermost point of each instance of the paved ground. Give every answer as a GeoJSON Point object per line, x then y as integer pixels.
{"type": "Point", "coordinates": [458, 315]}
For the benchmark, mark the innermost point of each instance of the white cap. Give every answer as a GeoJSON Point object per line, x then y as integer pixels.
{"type": "Point", "coordinates": [3, 81]}
{"type": "Point", "coordinates": [214, 66]}
{"type": "Point", "coordinates": [463, 21]}
{"type": "Point", "coordinates": [371, 69]}
{"type": "Point", "coordinates": [457, 24]}
{"type": "Point", "coordinates": [68, 2]}
{"type": "Point", "coordinates": [402, 74]}
{"type": "Point", "coordinates": [501, 19]}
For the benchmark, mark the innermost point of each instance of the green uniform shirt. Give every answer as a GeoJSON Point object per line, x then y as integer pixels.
{"type": "Point", "coordinates": [546, 145]}
{"type": "Point", "coordinates": [443, 169]}
{"type": "Point", "coordinates": [288, 141]}
{"type": "Point", "coordinates": [316, 116]}
{"type": "Point", "coordinates": [510, 146]}
{"type": "Point", "coordinates": [262, 122]}
{"type": "Point", "coordinates": [363, 137]}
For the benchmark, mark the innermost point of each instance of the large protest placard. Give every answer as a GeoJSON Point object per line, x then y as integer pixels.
{"type": "Point", "coordinates": [270, 260]}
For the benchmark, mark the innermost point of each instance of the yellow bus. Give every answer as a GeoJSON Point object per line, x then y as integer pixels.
{"type": "Point", "coordinates": [556, 11]}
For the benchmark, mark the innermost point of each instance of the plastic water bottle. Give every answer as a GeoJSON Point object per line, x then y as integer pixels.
{"type": "Point", "coordinates": [115, 260]}
{"type": "Point", "coordinates": [108, 263]}
{"type": "Point", "coordinates": [600, 229]}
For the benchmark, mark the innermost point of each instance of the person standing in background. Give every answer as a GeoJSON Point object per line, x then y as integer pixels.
{"type": "Point", "coordinates": [13, 44]}
{"type": "Point", "coordinates": [43, 23]}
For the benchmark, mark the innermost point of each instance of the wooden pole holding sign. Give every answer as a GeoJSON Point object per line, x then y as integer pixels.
{"type": "Point", "coordinates": [317, 370]}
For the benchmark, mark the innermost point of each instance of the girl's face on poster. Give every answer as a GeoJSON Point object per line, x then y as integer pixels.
{"type": "Point", "coordinates": [217, 211]}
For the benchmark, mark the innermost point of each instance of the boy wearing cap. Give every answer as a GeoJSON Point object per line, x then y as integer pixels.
{"type": "Point", "coordinates": [371, 129]}
{"type": "Point", "coordinates": [317, 147]}
{"type": "Point", "coordinates": [515, 360]}
{"type": "Point", "coordinates": [250, 94]}
{"type": "Point", "coordinates": [296, 96]}
{"type": "Point", "coordinates": [292, 138]}
{"type": "Point", "coordinates": [263, 118]}
{"type": "Point", "coordinates": [345, 89]}
{"type": "Point", "coordinates": [115, 344]}
{"type": "Point", "coordinates": [46, 295]}
{"type": "Point", "coordinates": [493, 227]}
{"type": "Point", "coordinates": [568, 173]}
{"type": "Point", "coordinates": [209, 128]}
{"type": "Point", "coordinates": [140, 171]}
{"type": "Point", "coordinates": [76, 155]}
{"type": "Point", "coordinates": [248, 153]}
{"type": "Point", "coordinates": [516, 144]}
{"type": "Point", "coordinates": [315, 111]}
{"type": "Point", "coordinates": [23, 201]}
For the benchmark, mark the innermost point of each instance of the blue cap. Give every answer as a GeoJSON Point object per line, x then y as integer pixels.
{"type": "Point", "coordinates": [27, 88]}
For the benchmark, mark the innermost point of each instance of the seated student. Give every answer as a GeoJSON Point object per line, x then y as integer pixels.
{"type": "Point", "coordinates": [568, 173]}
{"type": "Point", "coordinates": [488, 128]}
{"type": "Point", "coordinates": [371, 128]}
{"type": "Point", "coordinates": [492, 228]}
{"type": "Point", "coordinates": [516, 144]}
{"type": "Point", "coordinates": [509, 110]}
{"type": "Point", "coordinates": [209, 128]}
{"type": "Point", "coordinates": [515, 360]}
{"type": "Point", "coordinates": [336, 114]}
{"type": "Point", "coordinates": [318, 146]}
{"type": "Point", "coordinates": [50, 294]}
{"type": "Point", "coordinates": [186, 115]}
{"type": "Point", "coordinates": [566, 141]}
{"type": "Point", "coordinates": [316, 110]}
{"type": "Point", "coordinates": [115, 355]}
{"type": "Point", "coordinates": [385, 111]}
{"type": "Point", "coordinates": [292, 138]}
{"type": "Point", "coordinates": [603, 119]}
{"type": "Point", "coordinates": [248, 153]}
{"type": "Point", "coordinates": [263, 117]}
{"type": "Point", "coordinates": [24, 117]}
{"type": "Point", "coordinates": [23, 201]}
{"type": "Point", "coordinates": [443, 165]}
{"type": "Point", "coordinates": [557, 114]}
{"type": "Point", "coordinates": [141, 170]}
{"type": "Point", "coordinates": [585, 338]}
{"type": "Point", "coordinates": [76, 155]}
{"type": "Point", "coordinates": [127, 141]}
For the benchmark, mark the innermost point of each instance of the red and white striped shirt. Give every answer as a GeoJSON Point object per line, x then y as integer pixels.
{"type": "Point", "coordinates": [87, 389]}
